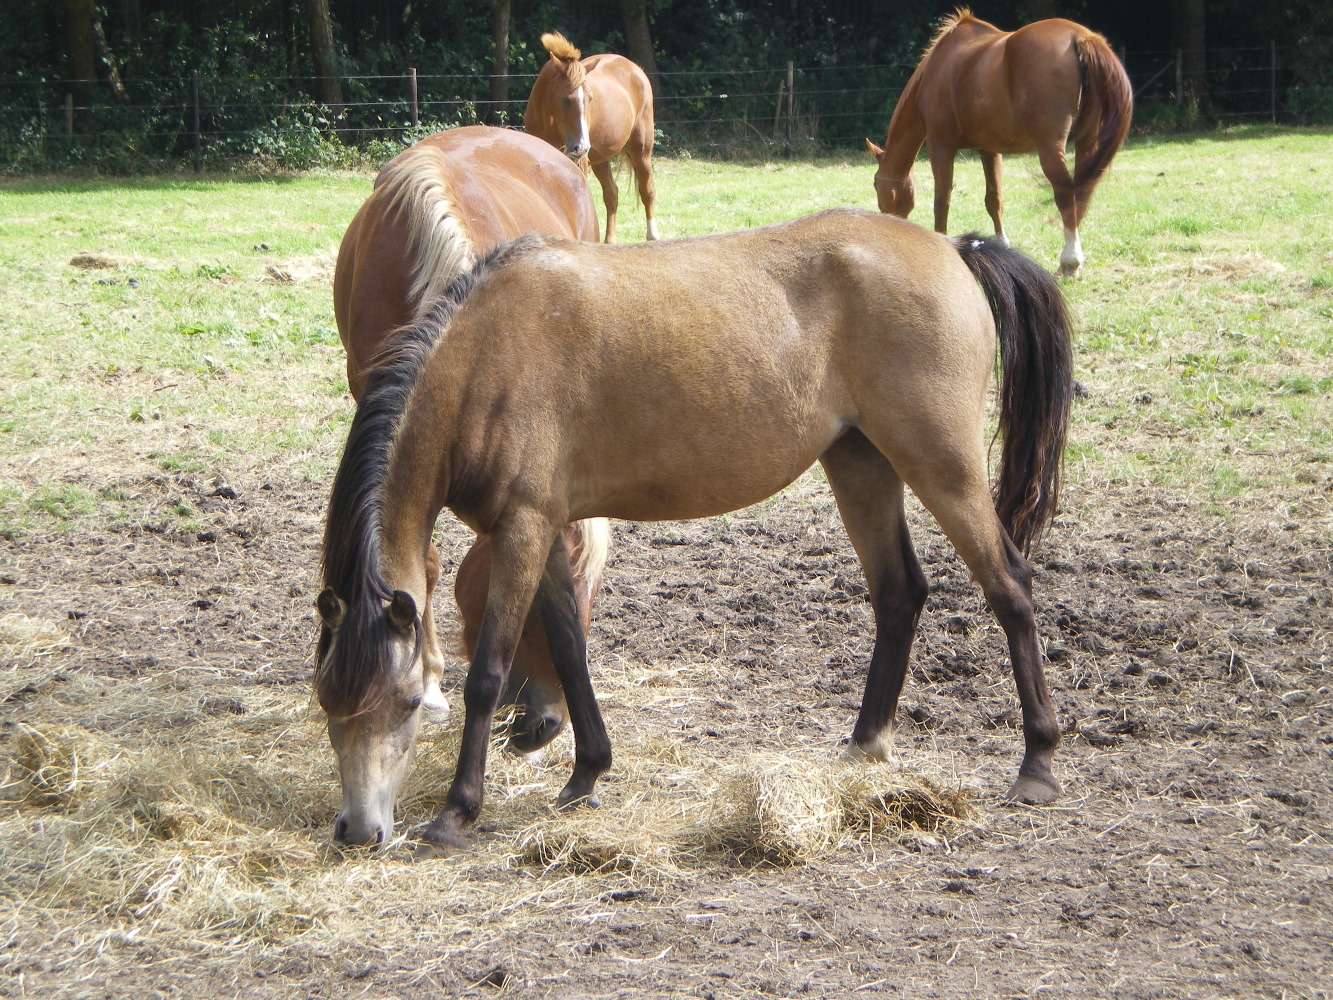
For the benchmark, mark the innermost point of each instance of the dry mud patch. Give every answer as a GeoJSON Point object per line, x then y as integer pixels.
{"type": "Point", "coordinates": [175, 844]}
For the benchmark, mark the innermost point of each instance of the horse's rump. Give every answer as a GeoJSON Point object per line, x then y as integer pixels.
{"type": "Point", "coordinates": [435, 209]}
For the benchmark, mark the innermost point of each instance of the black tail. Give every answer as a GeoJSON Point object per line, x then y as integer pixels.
{"type": "Point", "coordinates": [1037, 364]}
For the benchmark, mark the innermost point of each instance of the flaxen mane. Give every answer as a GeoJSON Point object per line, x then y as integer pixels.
{"type": "Point", "coordinates": [352, 679]}
{"type": "Point", "coordinates": [439, 245]}
{"type": "Point", "coordinates": [563, 51]}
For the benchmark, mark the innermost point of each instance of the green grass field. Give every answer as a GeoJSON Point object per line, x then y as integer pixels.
{"type": "Point", "coordinates": [196, 333]}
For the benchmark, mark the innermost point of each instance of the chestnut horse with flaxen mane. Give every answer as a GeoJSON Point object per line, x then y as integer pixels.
{"type": "Point", "coordinates": [436, 209]}
{"type": "Point", "coordinates": [680, 379]}
{"type": "Point", "coordinates": [596, 108]}
{"type": "Point", "coordinates": [997, 92]}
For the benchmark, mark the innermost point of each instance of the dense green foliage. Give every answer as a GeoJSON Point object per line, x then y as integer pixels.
{"type": "Point", "coordinates": [721, 64]}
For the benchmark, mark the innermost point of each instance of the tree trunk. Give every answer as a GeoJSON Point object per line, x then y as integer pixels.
{"type": "Point", "coordinates": [640, 42]}
{"type": "Point", "coordinates": [1187, 35]}
{"type": "Point", "coordinates": [76, 18]}
{"type": "Point", "coordinates": [498, 112]}
{"type": "Point", "coordinates": [328, 88]}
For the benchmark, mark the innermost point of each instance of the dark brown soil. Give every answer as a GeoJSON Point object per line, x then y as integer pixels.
{"type": "Point", "coordinates": [1190, 660]}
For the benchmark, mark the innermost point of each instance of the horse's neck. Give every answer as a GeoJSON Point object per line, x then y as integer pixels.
{"type": "Point", "coordinates": [906, 132]}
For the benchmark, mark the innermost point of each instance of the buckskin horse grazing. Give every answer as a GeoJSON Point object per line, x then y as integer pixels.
{"type": "Point", "coordinates": [684, 379]}
{"type": "Point", "coordinates": [596, 108]}
{"type": "Point", "coordinates": [435, 210]}
{"type": "Point", "coordinates": [998, 92]}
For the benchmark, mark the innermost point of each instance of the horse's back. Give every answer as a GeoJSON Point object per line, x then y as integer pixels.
{"type": "Point", "coordinates": [772, 340]}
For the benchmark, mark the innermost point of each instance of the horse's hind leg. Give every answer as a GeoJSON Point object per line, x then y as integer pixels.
{"type": "Point", "coordinates": [870, 499]}
{"type": "Point", "coordinates": [557, 603]}
{"type": "Point", "coordinates": [1053, 165]}
{"type": "Point", "coordinates": [951, 483]}
{"type": "Point", "coordinates": [640, 154]}
{"type": "Point", "coordinates": [990, 165]}
{"type": "Point", "coordinates": [610, 196]}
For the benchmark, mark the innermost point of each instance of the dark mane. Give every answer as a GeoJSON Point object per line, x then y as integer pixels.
{"type": "Point", "coordinates": [353, 679]}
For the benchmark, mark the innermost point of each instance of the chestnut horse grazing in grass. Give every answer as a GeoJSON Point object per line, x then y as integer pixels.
{"type": "Point", "coordinates": [596, 108]}
{"type": "Point", "coordinates": [997, 92]}
{"type": "Point", "coordinates": [680, 379]}
{"type": "Point", "coordinates": [436, 209]}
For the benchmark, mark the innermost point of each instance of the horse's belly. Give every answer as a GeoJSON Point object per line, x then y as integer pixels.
{"type": "Point", "coordinates": [677, 481]}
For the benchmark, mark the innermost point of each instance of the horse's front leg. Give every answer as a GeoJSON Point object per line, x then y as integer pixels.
{"type": "Point", "coordinates": [557, 603]}
{"type": "Point", "coordinates": [518, 554]}
{"type": "Point", "coordinates": [610, 196]}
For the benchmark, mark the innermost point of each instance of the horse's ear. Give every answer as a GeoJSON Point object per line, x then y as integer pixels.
{"type": "Point", "coordinates": [403, 611]}
{"type": "Point", "coordinates": [331, 608]}
{"type": "Point", "coordinates": [875, 151]}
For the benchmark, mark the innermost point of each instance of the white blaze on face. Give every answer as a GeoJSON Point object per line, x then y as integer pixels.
{"type": "Point", "coordinates": [578, 144]}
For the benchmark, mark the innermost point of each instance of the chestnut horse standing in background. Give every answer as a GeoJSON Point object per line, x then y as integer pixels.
{"type": "Point", "coordinates": [596, 108]}
{"type": "Point", "coordinates": [997, 92]}
{"type": "Point", "coordinates": [436, 209]}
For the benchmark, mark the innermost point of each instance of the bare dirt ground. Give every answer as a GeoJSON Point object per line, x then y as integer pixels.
{"type": "Point", "coordinates": [1192, 856]}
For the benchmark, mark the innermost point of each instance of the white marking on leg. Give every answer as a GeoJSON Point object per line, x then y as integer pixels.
{"type": "Point", "coordinates": [1001, 237]}
{"type": "Point", "coordinates": [652, 229]}
{"type": "Point", "coordinates": [1071, 257]}
{"type": "Point", "coordinates": [880, 748]}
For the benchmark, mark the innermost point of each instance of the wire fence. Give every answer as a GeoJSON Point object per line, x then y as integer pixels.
{"type": "Point", "coordinates": [719, 112]}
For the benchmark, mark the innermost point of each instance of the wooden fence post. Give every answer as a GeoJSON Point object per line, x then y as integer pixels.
{"type": "Point", "coordinates": [791, 104]}
{"type": "Point", "coordinates": [1180, 82]}
{"type": "Point", "coordinates": [412, 94]}
{"type": "Point", "coordinates": [197, 139]}
{"type": "Point", "coordinates": [1272, 80]}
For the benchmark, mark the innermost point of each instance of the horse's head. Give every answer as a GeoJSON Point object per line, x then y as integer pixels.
{"type": "Point", "coordinates": [370, 683]}
{"type": "Point", "coordinates": [893, 189]}
{"type": "Point", "coordinates": [567, 95]}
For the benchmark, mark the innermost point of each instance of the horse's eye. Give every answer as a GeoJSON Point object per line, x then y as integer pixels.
{"type": "Point", "coordinates": [414, 704]}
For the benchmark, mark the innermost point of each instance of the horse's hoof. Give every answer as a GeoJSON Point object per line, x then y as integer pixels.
{"type": "Point", "coordinates": [1033, 791]}
{"type": "Point", "coordinates": [576, 800]}
{"type": "Point", "coordinates": [878, 749]}
{"type": "Point", "coordinates": [1070, 270]}
{"type": "Point", "coordinates": [440, 839]}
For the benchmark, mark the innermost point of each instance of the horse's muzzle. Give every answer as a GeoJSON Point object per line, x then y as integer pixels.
{"type": "Point", "coordinates": [368, 835]}
{"type": "Point", "coordinates": [531, 731]}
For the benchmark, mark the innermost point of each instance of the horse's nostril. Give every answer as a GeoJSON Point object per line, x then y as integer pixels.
{"type": "Point", "coordinates": [379, 835]}
{"type": "Point", "coordinates": [340, 830]}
